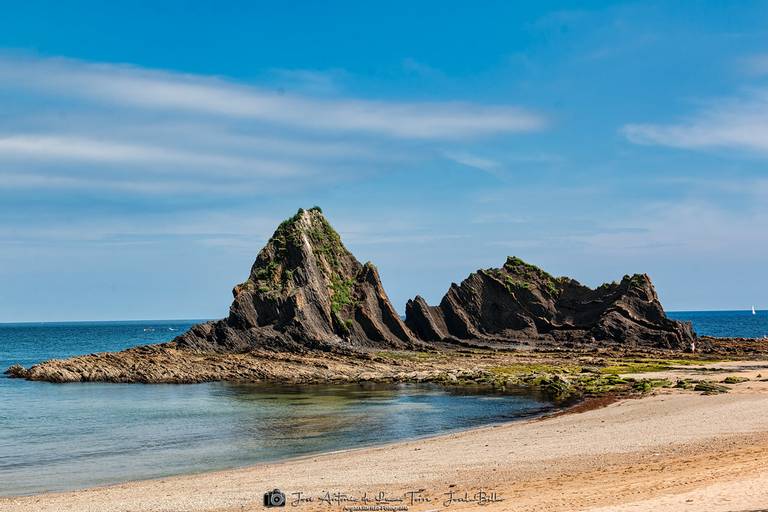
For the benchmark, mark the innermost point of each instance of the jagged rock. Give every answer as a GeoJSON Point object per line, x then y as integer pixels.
{"type": "Point", "coordinates": [305, 290]}
{"type": "Point", "coordinates": [426, 322]}
{"type": "Point", "coordinates": [307, 295]}
{"type": "Point", "coordinates": [521, 301]}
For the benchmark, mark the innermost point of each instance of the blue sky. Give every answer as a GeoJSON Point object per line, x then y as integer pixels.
{"type": "Point", "coordinates": [147, 152]}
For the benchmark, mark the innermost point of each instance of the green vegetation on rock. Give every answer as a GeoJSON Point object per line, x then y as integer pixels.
{"type": "Point", "coordinates": [624, 367]}
{"type": "Point", "coordinates": [648, 365]}
{"type": "Point", "coordinates": [708, 387]}
{"type": "Point", "coordinates": [596, 384]}
{"type": "Point", "coordinates": [646, 385]}
{"type": "Point", "coordinates": [560, 381]}
{"type": "Point", "coordinates": [326, 242]}
{"type": "Point", "coordinates": [563, 380]}
{"type": "Point", "coordinates": [273, 275]}
{"type": "Point", "coordinates": [734, 379]}
{"type": "Point", "coordinates": [518, 369]}
{"type": "Point", "coordinates": [529, 272]}
{"type": "Point", "coordinates": [327, 246]}
{"type": "Point", "coordinates": [342, 293]}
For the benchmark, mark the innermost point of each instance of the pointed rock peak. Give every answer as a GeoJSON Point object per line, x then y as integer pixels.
{"type": "Point", "coordinates": [639, 285]}
{"type": "Point", "coordinates": [306, 289]}
{"type": "Point", "coordinates": [637, 280]}
{"type": "Point", "coordinates": [305, 240]}
{"type": "Point", "coordinates": [515, 265]}
{"type": "Point", "coordinates": [311, 223]}
{"type": "Point", "coordinates": [516, 274]}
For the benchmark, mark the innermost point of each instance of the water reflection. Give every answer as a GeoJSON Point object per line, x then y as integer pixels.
{"type": "Point", "coordinates": [78, 435]}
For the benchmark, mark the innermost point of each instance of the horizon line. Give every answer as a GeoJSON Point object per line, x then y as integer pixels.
{"type": "Point", "coordinates": [32, 322]}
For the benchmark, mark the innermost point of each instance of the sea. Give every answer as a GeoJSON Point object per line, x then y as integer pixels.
{"type": "Point", "coordinates": [57, 437]}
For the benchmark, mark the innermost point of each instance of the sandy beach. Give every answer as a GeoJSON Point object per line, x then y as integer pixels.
{"type": "Point", "coordinates": [672, 450]}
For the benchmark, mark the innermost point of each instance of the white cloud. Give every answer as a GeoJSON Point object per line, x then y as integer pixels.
{"type": "Point", "coordinates": [149, 89]}
{"type": "Point", "coordinates": [163, 187]}
{"type": "Point", "coordinates": [81, 149]}
{"type": "Point", "coordinates": [475, 161]}
{"type": "Point", "coordinates": [734, 123]}
{"type": "Point", "coordinates": [692, 228]}
{"type": "Point", "coordinates": [74, 125]}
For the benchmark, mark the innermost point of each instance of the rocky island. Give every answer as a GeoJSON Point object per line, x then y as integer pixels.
{"type": "Point", "coordinates": [305, 291]}
{"type": "Point", "coordinates": [519, 301]}
{"type": "Point", "coordinates": [309, 311]}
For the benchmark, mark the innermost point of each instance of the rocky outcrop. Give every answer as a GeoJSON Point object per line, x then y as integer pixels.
{"type": "Point", "coordinates": [426, 321]}
{"type": "Point", "coordinates": [305, 291]}
{"type": "Point", "coordinates": [166, 363]}
{"type": "Point", "coordinates": [520, 301]}
{"type": "Point", "coordinates": [307, 295]}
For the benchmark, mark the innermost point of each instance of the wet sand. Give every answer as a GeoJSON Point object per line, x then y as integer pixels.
{"type": "Point", "coordinates": [674, 450]}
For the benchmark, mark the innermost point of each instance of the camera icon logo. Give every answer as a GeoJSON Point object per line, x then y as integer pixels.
{"type": "Point", "coordinates": [274, 498]}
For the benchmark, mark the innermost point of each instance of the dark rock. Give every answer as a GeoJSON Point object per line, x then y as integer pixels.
{"type": "Point", "coordinates": [307, 297]}
{"type": "Point", "coordinates": [305, 291]}
{"type": "Point", "coordinates": [520, 301]}
{"type": "Point", "coordinates": [426, 322]}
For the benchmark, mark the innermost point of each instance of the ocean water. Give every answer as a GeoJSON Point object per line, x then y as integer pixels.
{"type": "Point", "coordinates": [741, 324]}
{"type": "Point", "coordinates": [65, 436]}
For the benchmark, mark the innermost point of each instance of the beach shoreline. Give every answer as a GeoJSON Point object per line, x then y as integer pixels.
{"type": "Point", "coordinates": [667, 451]}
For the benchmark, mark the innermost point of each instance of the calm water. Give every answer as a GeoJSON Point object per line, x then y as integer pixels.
{"type": "Point", "coordinates": [741, 324]}
{"type": "Point", "coordinates": [58, 437]}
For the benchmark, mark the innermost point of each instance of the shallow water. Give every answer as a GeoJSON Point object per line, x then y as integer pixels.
{"type": "Point", "coordinates": [59, 437]}
{"type": "Point", "coordinates": [66, 436]}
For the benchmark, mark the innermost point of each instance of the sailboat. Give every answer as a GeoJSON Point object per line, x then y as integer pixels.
{"type": "Point", "coordinates": [753, 310]}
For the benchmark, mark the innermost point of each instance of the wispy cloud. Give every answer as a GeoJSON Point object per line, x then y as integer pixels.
{"type": "Point", "coordinates": [475, 161]}
{"type": "Point", "coordinates": [164, 187]}
{"type": "Point", "coordinates": [86, 126]}
{"type": "Point", "coordinates": [150, 89]}
{"type": "Point", "coordinates": [81, 149]}
{"type": "Point", "coordinates": [691, 228]}
{"type": "Point", "coordinates": [739, 123]}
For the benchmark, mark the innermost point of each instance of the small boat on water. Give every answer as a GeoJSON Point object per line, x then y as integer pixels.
{"type": "Point", "coordinates": [753, 310]}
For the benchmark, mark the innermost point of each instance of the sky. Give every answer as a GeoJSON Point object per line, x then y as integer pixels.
{"type": "Point", "coordinates": [148, 150]}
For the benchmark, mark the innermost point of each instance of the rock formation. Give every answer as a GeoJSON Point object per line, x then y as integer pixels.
{"type": "Point", "coordinates": [522, 302]}
{"type": "Point", "coordinates": [307, 300]}
{"type": "Point", "coordinates": [305, 290]}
